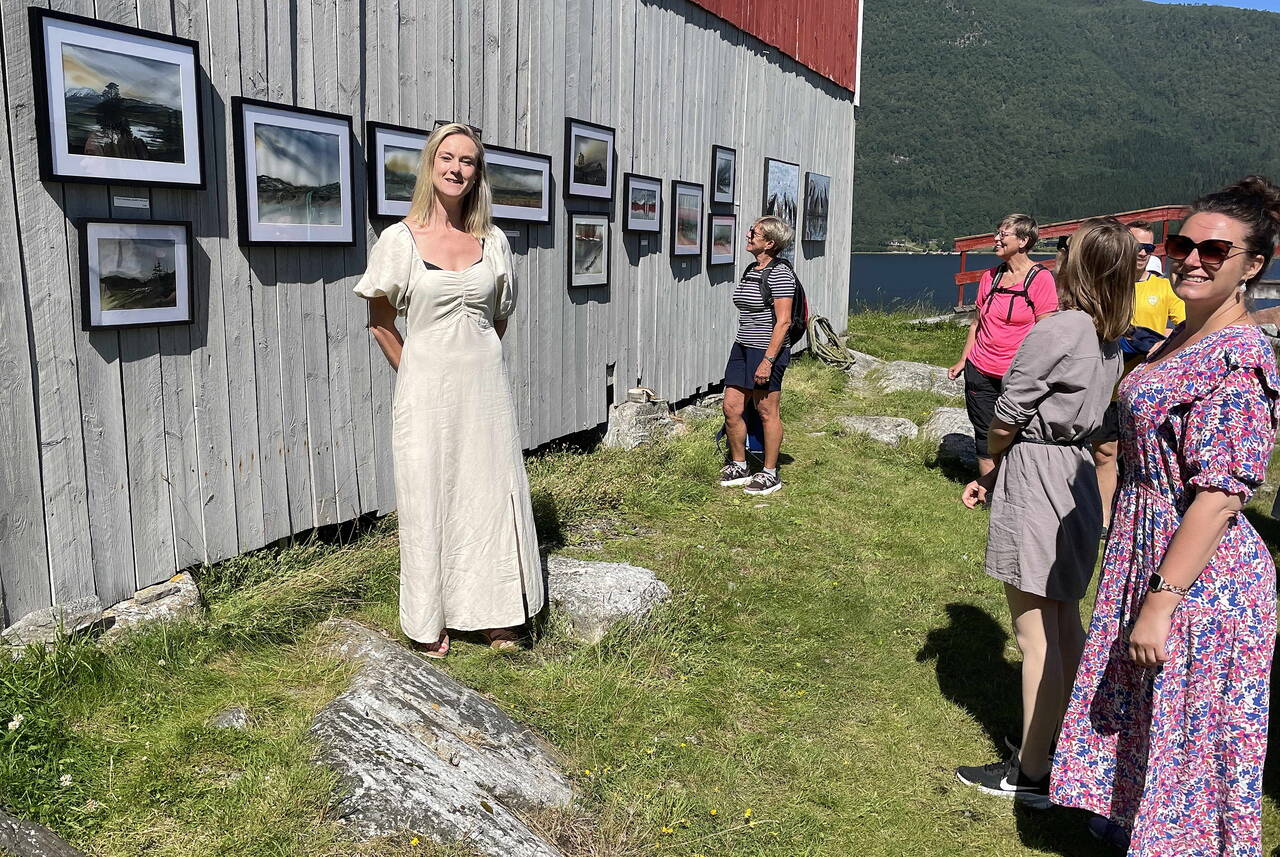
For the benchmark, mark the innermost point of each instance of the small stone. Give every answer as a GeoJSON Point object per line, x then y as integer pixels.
{"type": "Point", "coordinates": [45, 626]}
{"type": "Point", "coordinates": [887, 430]}
{"type": "Point", "coordinates": [633, 424]}
{"type": "Point", "coordinates": [598, 595]}
{"type": "Point", "coordinates": [951, 428]}
{"type": "Point", "coordinates": [233, 718]}
{"type": "Point", "coordinates": [175, 599]}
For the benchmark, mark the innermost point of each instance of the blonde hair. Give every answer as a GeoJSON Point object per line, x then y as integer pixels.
{"type": "Point", "coordinates": [1025, 227]}
{"type": "Point", "coordinates": [1098, 275]}
{"type": "Point", "coordinates": [477, 206]}
{"type": "Point", "coordinates": [776, 230]}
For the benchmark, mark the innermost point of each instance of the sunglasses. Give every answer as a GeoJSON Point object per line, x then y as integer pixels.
{"type": "Point", "coordinates": [1147, 248]}
{"type": "Point", "coordinates": [1213, 251]}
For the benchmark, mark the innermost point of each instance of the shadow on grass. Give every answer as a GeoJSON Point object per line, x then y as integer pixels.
{"type": "Point", "coordinates": [969, 657]}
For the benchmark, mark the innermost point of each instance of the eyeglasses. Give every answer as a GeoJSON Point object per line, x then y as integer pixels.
{"type": "Point", "coordinates": [1213, 251]}
{"type": "Point", "coordinates": [751, 233]}
{"type": "Point", "coordinates": [1147, 248]}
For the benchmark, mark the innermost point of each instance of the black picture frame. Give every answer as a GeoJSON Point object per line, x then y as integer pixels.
{"type": "Point", "coordinates": [57, 163]}
{"type": "Point", "coordinates": [817, 207]}
{"type": "Point", "coordinates": [713, 220]}
{"type": "Point", "coordinates": [93, 317]}
{"type": "Point", "coordinates": [678, 249]}
{"type": "Point", "coordinates": [496, 155]}
{"type": "Point", "coordinates": [718, 154]}
{"type": "Point", "coordinates": [593, 130]}
{"type": "Point", "coordinates": [281, 235]}
{"type": "Point", "coordinates": [633, 181]}
{"type": "Point", "coordinates": [377, 134]}
{"type": "Point", "coordinates": [585, 218]}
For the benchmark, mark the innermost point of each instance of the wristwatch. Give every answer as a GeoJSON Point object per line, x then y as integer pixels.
{"type": "Point", "coordinates": [1159, 584]}
{"type": "Point", "coordinates": [771, 360]}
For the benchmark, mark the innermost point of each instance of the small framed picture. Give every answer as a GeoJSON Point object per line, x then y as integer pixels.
{"type": "Point", "coordinates": [115, 104]}
{"type": "Point", "coordinates": [521, 184]}
{"type": "Point", "coordinates": [816, 189]}
{"type": "Point", "coordinates": [643, 198]}
{"type": "Point", "coordinates": [588, 159]}
{"type": "Point", "coordinates": [393, 153]}
{"type": "Point", "coordinates": [294, 174]}
{"type": "Point", "coordinates": [135, 273]}
{"type": "Point", "coordinates": [589, 259]}
{"type": "Point", "coordinates": [686, 219]}
{"type": "Point", "coordinates": [722, 230]}
{"type": "Point", "coordinates": [781, 190]}
{"type": "Point", "coordinates": [724, 174]}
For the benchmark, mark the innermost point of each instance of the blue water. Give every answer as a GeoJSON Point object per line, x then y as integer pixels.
{"type": "Point", "coordinates": [898, 280]}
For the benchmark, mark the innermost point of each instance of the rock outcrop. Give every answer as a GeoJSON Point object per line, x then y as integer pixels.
{"type": "Point", "coordinates": [954, 433]}
{"type": "Point", "coordinates": [26, 839]}
{"type": "Point", "coordinates": [176, 598]}
{"type": "Point", "coordinates": [595, 596]}
{"type": "Point", "coordinates": [47, 625]}
{"type": "Point", "coordinates": [633, 424]}
{"type": "Point", "coordinates": [906, 375]}
{"type": "Point", "coordinates": [887, 430]}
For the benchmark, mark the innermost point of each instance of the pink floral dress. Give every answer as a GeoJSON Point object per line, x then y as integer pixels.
{"type": "Point", "coordinates": [1175, 755]}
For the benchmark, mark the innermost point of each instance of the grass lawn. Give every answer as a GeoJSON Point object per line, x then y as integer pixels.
{"type": "Point", "coordinates": [830, 654]}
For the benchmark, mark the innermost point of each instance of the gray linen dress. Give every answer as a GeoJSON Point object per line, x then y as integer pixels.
{"type": "Point", "coordinates": [468, 546]}
{"type": "Point", "coordinates": [1046, 513]}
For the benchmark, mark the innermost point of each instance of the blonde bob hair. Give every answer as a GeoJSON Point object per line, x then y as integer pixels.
{"type": "Point", "coordinates": [776, 230]}
{"type": "Point", "coordinates": [477, 206]}
{"type": "Point", "coordinates": [1098, 275]}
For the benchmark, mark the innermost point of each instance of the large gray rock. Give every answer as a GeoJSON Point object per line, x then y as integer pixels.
{"type": "Point", "coordinates": [697, 413]}
{"type": "Point", "coordinates": [417, 751]}
{"type": "Point", "coordinates": [595, 596]}
{"type": "Point", "coordinates": [25, 839]}
{"type": "Point", "coordinates": [175, 599]}
{"type": "Point", "coordinates": [954, 433]}
{"type": "Point", "coordinates": [889, 430]}
{"type": "Point", "coordinates": [863, 364]}
{"type": "Point", "coordinates": [633, 424]}
{"type": "Point", "coordinates": [906, 375]}
{"type": "Point", "coordinates": [45, 626]}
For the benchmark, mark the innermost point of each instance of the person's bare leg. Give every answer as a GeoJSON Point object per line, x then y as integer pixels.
{"type": "Point", "coordinates": [771, 419]}
{"type": "Point", "coordinates": [985, 466]}
{"type": "Point", "coordinates": [735, 427]}
{"type": "Point", "coordinates": [1035, 626]}
{"type": "Point", "coordinates": [1104, 462]}
{"type": "Point", "coordinates": [1071, 645]}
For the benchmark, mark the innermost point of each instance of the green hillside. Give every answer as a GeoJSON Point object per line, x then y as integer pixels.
{"type": "Point", "coordinates": [1061, 108]}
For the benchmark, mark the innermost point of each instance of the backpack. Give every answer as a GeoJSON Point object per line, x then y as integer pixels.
{"type": "Point", "coordinates": [1024, 292]}
{"type": "Point", "coordinates": [799, 304]}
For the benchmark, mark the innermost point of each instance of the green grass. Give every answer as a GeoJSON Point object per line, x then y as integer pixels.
{"type": "Point", "coordinates": [829, 655]}
{"type": "Point", "coordinates": [892, 336]}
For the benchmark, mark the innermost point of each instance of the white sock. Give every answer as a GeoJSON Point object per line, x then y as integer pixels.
{"type": "Point", "coordinates": [772, 471]}
{"type": "Point", "coordinates": [742, 463]}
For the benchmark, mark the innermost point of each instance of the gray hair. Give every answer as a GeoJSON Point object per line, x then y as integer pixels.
{"type": "Point", "coordinates": [776, 230]}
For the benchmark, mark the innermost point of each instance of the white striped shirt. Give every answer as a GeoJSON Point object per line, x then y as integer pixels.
{"type": "Point", "coordinates": [755, 319]}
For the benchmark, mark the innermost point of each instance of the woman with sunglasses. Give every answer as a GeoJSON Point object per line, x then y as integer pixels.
{"type": "Point", "coordinates": [1165, 736]}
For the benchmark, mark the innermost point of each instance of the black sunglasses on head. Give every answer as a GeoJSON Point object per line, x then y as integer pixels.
{"type": "Point", "coordinates": [1213, 251]}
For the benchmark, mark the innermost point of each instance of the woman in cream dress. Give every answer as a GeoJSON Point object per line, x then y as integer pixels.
{"type": "Point", "coordinates": [468, 548]}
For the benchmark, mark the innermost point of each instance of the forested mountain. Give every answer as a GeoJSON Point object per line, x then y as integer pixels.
{"type": "Point", "coordinates": [1060, 108]}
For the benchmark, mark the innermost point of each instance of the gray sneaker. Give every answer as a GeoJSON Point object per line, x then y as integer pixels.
{"type": "Point", "coordinates": [733, 475]}
{"type": "Point", "coordinates": [763, 483]}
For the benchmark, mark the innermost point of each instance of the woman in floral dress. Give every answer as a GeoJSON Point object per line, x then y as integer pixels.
{"type": "Point", "coordinates": [1166, 731]}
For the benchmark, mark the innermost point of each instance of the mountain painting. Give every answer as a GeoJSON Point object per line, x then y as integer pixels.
{"type": "Point", "coordinates": [137, 273]}
{"type": "Point", "coordinates": [299, 176]}
{"type": "Point", "coordinates": [590, 165]}
{"type": "Point", "coordinates": [514, 185]}
{"type": "Point", "coordinates": [399, 172]}
{"type": "Point", "coordinates": [781, 189]}
{"type": "Point", "coordinates": [815, 207]}
{"type": "Point", "coordinates": [121, 106]}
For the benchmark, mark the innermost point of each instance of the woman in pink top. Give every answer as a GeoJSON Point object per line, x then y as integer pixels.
{"type": "Point", "coordinates": [1012, 297]}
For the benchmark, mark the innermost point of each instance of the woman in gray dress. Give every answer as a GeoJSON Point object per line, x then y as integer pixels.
{"type": "Point", "coordinates": [1046, 514]}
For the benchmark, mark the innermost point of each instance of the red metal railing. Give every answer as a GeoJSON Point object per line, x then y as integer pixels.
{"type": "Point", "coordinates": [1162, 215]}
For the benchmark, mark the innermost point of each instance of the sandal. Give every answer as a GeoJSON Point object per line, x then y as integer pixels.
{"type": "Point", "coordinates": [437, 651]}
{"type": "Point", "coordinates": [503, 639]}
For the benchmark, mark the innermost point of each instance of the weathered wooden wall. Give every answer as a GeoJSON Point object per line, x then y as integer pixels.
{"type": "Point", "coordinates": [127, 455]}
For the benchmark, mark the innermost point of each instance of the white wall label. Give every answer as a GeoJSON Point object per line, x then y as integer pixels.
{"type": "Point", "coordinates": [131, 202]}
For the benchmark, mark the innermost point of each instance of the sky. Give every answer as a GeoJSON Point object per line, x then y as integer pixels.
{"type": "Point", "coordinates": [138, 77]}
{"type": "Point", "coordinates": [1268, 5]}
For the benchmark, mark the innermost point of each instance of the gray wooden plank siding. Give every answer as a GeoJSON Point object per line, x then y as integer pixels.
{"type": "Point", "coordinates": [127, 455]}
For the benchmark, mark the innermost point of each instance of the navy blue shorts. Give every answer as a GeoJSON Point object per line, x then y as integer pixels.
{"type": "Point", "coordinates": [741, 369]}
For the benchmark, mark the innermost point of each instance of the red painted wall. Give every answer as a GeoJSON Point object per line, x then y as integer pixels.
{"type": "Point", "coordinates": [820, 34]}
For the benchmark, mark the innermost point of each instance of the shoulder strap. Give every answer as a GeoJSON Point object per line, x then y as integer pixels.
{"type": "Point", "coordinates": [766, 291]}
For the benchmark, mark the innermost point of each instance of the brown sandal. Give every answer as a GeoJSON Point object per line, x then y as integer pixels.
{"type": "Point", "coordinates": [503, 639]}
{"type": "Point", "coordinates": [438, 650]}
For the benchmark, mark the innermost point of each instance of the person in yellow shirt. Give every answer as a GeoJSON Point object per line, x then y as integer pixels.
{"type": "Point", "coordinates": [1157, 308]}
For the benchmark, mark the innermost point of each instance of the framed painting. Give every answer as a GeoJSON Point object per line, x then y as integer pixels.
{"type": "Point", "coordinates": [722, 235]}
{"type": "Point", "coordinates": [724, 174]}
{"type": "Point", "coordinates": [135, 273]}
{"type": "Point", "coordinates": [295, 179]}
{"type": "Point", "coordinates": [816, 189]}
{"type": "Point", "coordinates": [521, 184]}
{"type": "Point", "coordinates": [781, 190]}
{"type": "Point", "coordinates": [115, 104]}
{"type": "Point", "coordinates": [643, 198]}
{"type": "Point", "coordinates": [393, 155]}
{"type": "Point", "coordinates": [588, 159]}
{"type": "Point", "coordinates": [686, 218]}
{"type": "Point", "coordinates": [589, 255]}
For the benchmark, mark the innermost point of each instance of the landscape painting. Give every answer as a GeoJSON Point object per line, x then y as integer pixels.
{"type": "Point", "coordinates": [400, 172]}
{"type": "Point", "coordinates": [723, 174]}
{"type": "Point", "coordinates": [116, 104]}
{"type": "Point", "coordinates": [588, 159]}
{"type": "Point", "coordinates": [723, 235]}
{"type": "Point", "coordinates": [781, 190]}
{"type": "Point", "coordinates": [520, 183]}
{"type": "Point", "coordinates": [643, 199]}
{"type": "Point", "coordinates": [135, 273]}
{"type": "Point", "coordinates": [294, 175]}
{"type": "Point", "coordinates": [589, 259]}
{"type": "Point", "coordinates": [816, 189]}
{"type": "Point", "coordinates": [394, 153]}
{"type": "Point", "coordinates": [686, 228]}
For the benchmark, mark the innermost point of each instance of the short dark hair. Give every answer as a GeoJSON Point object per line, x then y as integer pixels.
{"type": "Point", "coordinates": [1142, 224]}
{"type": "Point", "coordinates": [1255, 202]}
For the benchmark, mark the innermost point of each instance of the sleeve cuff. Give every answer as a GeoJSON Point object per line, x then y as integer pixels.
{"type": "Point", "coordinates": [1008, 412]}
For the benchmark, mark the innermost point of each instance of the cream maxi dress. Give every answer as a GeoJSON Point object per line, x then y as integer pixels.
{"type": "Point", "coordinates": [468, 547]}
